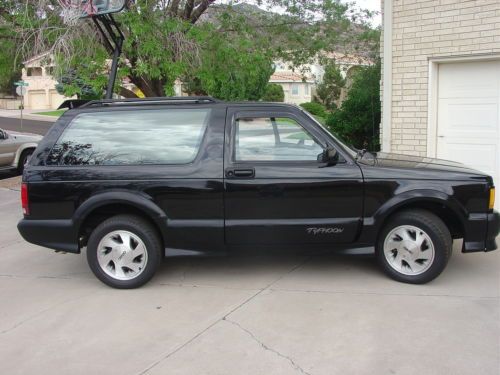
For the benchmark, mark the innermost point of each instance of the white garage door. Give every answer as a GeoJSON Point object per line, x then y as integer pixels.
{"type": "Point", "coordinates": [468, 115]}
{"type": "Point", "coordinates": [37, 99]}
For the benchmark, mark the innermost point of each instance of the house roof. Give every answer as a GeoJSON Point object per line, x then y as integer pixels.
{"type": "Point", "coordinates": [290, 77]}
{"type": "Point", "coordinates": [349, 59]}
{"type": "Point", "coordinates": [38, 57]}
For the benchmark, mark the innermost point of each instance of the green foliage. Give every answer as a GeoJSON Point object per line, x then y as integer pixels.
{"type": "Point", "coordinates": [316, 109]}
{"type": "Point", "coordinates": [329, 90]}
{"type": "Point", "coordinates": [229, 55]}
{"type": "Point", "coordinates": [358, 119]}
{"type": "Point", "coordinates": [230, 68]}
{"type": "Point", "coordinates": [10, 69]}
{"type": "Point", "coordinates": [274, 93]}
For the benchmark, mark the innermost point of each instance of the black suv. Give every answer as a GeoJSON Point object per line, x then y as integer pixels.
{"type": "Point", "coordinates": [136, 180]}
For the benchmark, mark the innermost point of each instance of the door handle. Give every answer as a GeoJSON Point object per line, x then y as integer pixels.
{"type": "Point", "coordinates": [241, 173]}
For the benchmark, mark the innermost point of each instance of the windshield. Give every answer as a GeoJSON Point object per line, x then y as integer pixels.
{"type": "Point", "coordinates": [348, 149]}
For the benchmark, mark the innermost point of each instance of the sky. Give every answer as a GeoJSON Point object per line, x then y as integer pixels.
{"type": "Point", "coordinates": [372, 5]}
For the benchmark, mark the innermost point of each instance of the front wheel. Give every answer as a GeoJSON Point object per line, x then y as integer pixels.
{"type": "Point", "coordinates": [124, 251]}
{"type": "Point", "coordinates": [24, 160]}
{"type": "Point", "coordinates": [414, 247]}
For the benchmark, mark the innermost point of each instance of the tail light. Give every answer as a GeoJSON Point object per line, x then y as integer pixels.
{"type": "Point", "coordinates": [25, 202]}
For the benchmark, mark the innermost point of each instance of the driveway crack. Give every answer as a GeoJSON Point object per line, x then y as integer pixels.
{"type": "Point", "coordinates": [266, 347]}
{"type": "Point", "coordinates": [193, 338]}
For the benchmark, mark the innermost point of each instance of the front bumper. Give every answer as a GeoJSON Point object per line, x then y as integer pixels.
{"type": "Point", "coordinates": [481, 231]}
{"type": "Point", "coordinates": [493, 230]}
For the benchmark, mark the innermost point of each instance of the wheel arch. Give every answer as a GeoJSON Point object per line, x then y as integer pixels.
{"type": "Point", "coordinates": [20, 150]}
{"type": "Point", "coordinates": [440, 204]}
{"type": "Point", "coordinates": [102, 206]}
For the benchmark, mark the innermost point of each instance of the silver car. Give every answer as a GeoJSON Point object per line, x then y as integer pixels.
{"type": "Point", "coordinates": [16, 149]}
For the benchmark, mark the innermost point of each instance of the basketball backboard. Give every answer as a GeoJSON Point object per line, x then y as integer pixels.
{"type": "Point", "coordinates": [76, 9]}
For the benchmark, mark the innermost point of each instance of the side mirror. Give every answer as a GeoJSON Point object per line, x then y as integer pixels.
{"type": "Point", "coordinates": [3, 135]}
{"type": "Point", "coordinates": [330, 157]}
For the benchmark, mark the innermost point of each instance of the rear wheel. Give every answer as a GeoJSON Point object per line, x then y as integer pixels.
{"type": "Point", "coordinates": [124, 251]}
{"type": "Point", "coordinates": [414, 247]}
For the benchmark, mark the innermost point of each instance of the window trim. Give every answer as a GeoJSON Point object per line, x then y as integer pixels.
{"type": "Point", "coordinates": [67, 125]}
{"type": "Point", "coordinates": [270, 115]}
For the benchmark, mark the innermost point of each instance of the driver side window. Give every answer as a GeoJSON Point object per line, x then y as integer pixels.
{"type": "Point", "coordinates": [273, 139]}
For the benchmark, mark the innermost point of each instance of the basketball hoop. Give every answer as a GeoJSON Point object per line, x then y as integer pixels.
{"type": "Point", "coordinates": [73, 10]}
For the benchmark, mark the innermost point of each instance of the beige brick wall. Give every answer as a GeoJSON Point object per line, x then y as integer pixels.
{"type": "Point", "coordinates": [424, 29]}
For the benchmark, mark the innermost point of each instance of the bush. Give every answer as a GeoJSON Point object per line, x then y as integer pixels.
{"type": "Point", "coordinates": [316, 109]}
{"type": "Point", "coordinates": [358, 119]}
{"type": "Point", "coordinates": [274, 93]}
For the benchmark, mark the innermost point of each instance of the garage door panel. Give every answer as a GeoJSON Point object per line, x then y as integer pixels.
{"type": "Point", "coordinates": [469, 80]}
{"type": "Point", "coordinates": [468, 117]}
{"type": "Point", "coordinates": [477, 154]}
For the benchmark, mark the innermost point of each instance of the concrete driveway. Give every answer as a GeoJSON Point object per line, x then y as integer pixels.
{"type": "Point", "coordinates": [253, 315]}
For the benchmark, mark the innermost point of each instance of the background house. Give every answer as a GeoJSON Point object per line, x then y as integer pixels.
{"type": "Point", "coordinates": [41, 92]}
{"type": "Point", "coordinates": [299, 83]}
{"type": "Point", "coordinates": [441, 80]}
{"type": "Point", "coordinates": [297, 87]}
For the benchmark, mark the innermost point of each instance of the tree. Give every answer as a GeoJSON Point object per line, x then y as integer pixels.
{"type": "Point", "coordinates": [243, 75]}
{"type": "Point", "coordinates": [166, 40]}
{"type": "Point", "coordinates": [329, 90]}
{"type": "Point", "coordinates": [358, 119]}
{"type": "Point", "coordinates": [10, 69]}
{"type": "Point", "coordinates": [70, 84]}
{"type": "Point", "coordinates": [274, 93]}
{"type": "Point", "coordinates": [314, 108]}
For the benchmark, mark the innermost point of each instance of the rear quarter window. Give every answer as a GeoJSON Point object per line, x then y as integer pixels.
{"type": "Point", "coordinates": [132, 137]}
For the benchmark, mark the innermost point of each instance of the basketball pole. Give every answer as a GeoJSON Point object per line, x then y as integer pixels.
{"type": "Point", "coordinates": [113, 40]}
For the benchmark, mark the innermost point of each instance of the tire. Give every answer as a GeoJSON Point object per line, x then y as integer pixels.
{"type": "Point", "coordinates": [414, 247]}
{"type": "Point", "coordinates": [24, 159]}
{"type": "Point", "coordinates": [124, 251]}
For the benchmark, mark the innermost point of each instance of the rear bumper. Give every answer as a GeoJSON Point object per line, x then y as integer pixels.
{"type": "Point", "coordinates": [55, 234]}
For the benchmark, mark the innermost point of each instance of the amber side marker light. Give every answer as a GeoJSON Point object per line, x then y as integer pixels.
{"type": "Point", "coordinates": [492, 198]}
{"type": "Point", "coordinates": [25, 203]}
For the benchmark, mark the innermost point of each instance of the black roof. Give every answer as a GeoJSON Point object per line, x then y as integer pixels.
{"type": "Point", "coordinates": [71, 104]}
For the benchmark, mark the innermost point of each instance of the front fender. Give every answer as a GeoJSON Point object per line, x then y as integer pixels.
{"type": "Point", "coordinates": [372, 225]}
{"type": "Point", "coordinates": [19, 152]}
{"type": "Point", "coordinates": [419, 195]}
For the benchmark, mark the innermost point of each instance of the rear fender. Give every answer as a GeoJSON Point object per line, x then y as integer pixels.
{"type": "Point", "coordinates": [137, 200]}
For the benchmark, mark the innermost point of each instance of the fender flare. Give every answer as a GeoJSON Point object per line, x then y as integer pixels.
{"type": "Point", "coordinates": [414, 196]}
{"type": "Point", "coordinates": [137, 200]}
{"type": "Point", "coordinates": [20, 151]}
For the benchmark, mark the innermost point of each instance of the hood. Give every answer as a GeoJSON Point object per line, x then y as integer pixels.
{"type": "Point", "coordinates": [384, 159]}
{"type": "Point", "coordinates": [24, 137]}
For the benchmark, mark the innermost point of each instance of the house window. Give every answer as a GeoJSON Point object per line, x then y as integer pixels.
{"type": "Point", "coordinates": [295, 89]}
{"type": "Point", "coordinates": [50, 70]}
{"type": "Point", "coordinates": [307, 89]}
{"type": "Point", "coordinates": [34, 72]}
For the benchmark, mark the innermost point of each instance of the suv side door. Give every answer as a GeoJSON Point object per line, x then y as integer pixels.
{"type": "Point", "coordinates": [276, 191]}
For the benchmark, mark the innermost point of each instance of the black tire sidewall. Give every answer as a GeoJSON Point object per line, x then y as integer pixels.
{"type": "Point", "coordinates": [141, 229]}
{"type": "Point", "coordinates": [439, 236]}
